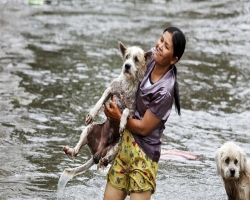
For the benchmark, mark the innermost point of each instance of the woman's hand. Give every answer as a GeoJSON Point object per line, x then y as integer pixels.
{"type": "Point", "coordinates": [112, 111]}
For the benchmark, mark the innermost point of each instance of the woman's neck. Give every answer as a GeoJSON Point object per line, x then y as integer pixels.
{"type": "Point", "coordinates": [158, 72]}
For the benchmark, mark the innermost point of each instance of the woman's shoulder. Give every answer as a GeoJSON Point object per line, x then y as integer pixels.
{"type": "Point", "coordinates": [150, 62]}
{"type": "Point", "coordinates": [153, 51]}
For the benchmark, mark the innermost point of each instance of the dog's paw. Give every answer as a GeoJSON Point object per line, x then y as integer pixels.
{"type": "Point", "coordinates": [70, 151]}
{"type": "Point", "coordinates": [89, 119]}
{"type": "Point", "coordinates": [103, 162]}
{"type": "Point", "coordinates": [121, 130]}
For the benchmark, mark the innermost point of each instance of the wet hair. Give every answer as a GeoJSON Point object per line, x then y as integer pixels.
{"type": "Point", "coordinates": [179, 44]}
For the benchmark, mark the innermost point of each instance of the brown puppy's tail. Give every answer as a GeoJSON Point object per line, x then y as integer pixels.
{"type": "Point", "coordinates": [69, 173]}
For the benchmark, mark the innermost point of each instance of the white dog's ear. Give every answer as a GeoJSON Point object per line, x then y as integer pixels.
{"type": "Point", "coordinates": [122, 48]}
{"type": "Point", "coordinates": [218, 157]}
{"type": "Point", "coordinates": [148, 55]}
{"type": "Point", "coordinates": [243, 160]}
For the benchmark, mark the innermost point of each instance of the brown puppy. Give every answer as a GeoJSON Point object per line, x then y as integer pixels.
{"type": "Point", "coordinates": [234, 168]}
{"type": "Point", "coordinates": [103, 139]}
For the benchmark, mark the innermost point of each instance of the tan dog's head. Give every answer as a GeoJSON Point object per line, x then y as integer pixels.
{"type": "Point", "coordinates": [134, 61]}
{"type": "Point", "coordinates": [230, 160]}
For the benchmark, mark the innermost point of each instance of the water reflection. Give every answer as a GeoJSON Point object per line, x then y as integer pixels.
{"type": "Point", "coordinates": [57, 59]}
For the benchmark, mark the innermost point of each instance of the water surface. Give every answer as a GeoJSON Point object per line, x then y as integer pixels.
{"type": "Point", "coordinates": [56, 59]}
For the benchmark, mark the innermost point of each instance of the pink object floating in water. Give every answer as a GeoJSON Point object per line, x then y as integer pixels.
{"type": "Point", "coordinates": [172, 154]}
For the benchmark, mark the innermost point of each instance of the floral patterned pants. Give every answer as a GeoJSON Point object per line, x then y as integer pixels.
{"type": "Point", "coordinates": [132, 170]}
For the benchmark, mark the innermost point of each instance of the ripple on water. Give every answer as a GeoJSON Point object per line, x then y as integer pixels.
{"type": "Point", "coordinates": [57, 59]}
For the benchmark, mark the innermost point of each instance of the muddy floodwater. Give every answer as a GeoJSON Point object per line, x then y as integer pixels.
{"type": "Point", "coordinates": [57, 58]}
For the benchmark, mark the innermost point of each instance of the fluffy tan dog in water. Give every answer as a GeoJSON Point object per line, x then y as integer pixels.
{"type": "Point", "coordinates": [234, 168]}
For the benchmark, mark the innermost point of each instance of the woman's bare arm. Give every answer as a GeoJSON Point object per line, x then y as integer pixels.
{"type": "Point", "coordinates": [140, 127]}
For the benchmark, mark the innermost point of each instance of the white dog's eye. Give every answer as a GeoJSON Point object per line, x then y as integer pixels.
{"type": "Point", "coordinates": [136, 59]}
{"type": "Point", "coordinates": [227, 161]}
{"type": "Point", "coordinates": [127, 56]}
{"type": "Point", "coordinates": [235, 161]}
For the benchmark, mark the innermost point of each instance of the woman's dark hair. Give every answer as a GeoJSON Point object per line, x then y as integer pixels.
{"type": "Point", "coordinates": [179, 44]}
{"type": "Point", "coordinates": [178, 39]}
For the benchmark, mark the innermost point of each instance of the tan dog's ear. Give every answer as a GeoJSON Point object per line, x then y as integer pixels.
{"type": "Point", "coordinates": [218, 156]}
{"type": "Point", "coordinates": [122, 49]}
{"type": "Point", "coordinates": [147, 55]}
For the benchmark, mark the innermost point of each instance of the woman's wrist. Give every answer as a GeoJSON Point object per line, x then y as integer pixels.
{"type": "Point", "coordinates": [119, 117]}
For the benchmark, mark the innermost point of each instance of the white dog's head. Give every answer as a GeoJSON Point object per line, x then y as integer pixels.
{"type": "Point", "coordinates": [134, 61]}
{"type": "Point", "coordinates": [230, 160]}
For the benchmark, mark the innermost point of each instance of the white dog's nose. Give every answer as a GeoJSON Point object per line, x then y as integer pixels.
{"type": "Point", "coordinates": [232, 172]}
{"type": "Point", "coordinates": [127, 66]}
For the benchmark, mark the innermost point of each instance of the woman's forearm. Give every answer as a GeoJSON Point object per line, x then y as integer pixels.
{"type": "Point", "coordinates": [134, 126]}
{"type": "Point", "coordinates": [141, 127]}
{"type": "Point", "coordinates": [144, 126]}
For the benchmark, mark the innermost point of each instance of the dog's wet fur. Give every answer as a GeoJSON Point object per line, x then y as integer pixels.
{"type": "Point", "coordinates": [234, 167]}
{"type": "Point", "coordinates": [103, 138]}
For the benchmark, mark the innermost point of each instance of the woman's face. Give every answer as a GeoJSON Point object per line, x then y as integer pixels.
{"type": "Point", "coordinates": [164, 51]}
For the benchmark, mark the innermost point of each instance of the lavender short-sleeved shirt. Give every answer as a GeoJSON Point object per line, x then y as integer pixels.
{"type": "Point", "coordinates": [158, 99]}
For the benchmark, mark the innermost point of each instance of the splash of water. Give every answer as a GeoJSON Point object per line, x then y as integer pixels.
{"type": "Point", "coordinates": [69, 173]}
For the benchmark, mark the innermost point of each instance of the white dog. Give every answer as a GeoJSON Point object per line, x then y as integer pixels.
{"type": "Point", "coordinates": [103, 138]}
{"type": "Point", "coordinates": [234, 168]}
